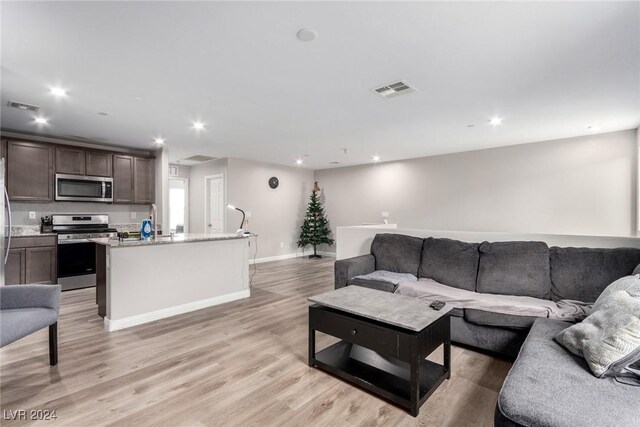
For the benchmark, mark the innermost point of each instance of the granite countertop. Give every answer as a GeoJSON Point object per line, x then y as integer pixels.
{"type": "Point", "coordinates": [164, 240]}
{"type": "Point", "coordinates": [28, 231]}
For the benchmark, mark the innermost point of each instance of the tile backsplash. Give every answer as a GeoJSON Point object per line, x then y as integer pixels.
{"type": "Point", "coordinates": [118, 214]}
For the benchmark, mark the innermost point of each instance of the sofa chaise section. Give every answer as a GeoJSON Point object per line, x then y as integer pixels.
{"type": "Point", "coordinates": [549, 386]}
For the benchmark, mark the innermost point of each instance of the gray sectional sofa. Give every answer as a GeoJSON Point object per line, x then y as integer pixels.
{"type": "Point", "coordinates": [507, 268]}
{"type": "Point", "coordinates": [515, 268]}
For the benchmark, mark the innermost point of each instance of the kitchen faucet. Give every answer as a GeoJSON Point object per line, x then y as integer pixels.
{"type": "Point", "coordinates": [154, 219]}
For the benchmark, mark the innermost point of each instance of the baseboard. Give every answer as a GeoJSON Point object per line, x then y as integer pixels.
{"type": "Point", "coordinates": [127, 322]}
{"type": "Point", "coordinates": [288, 256]}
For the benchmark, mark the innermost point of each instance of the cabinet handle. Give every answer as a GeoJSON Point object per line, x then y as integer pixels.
{"type": "Point", "coordinates": [355, 331]}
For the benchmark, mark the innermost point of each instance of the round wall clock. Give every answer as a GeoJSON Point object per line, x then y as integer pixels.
{"type": "Point", "coordinates": [273, 182]}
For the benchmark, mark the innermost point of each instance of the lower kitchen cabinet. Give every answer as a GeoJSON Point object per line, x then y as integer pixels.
{"type": "Point", "coordinates": [14, 270]}
{"type": "Point", "coordinates": [32, 260]}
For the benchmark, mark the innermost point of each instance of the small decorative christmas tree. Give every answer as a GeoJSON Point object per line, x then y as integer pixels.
{"type": "Point", "coordinates": [315, 229]}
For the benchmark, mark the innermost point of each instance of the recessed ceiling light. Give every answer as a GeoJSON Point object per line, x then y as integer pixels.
{"type": "Point", "coordinates": [58, 91]}
{"type": "Point", "coordinates": [306, 35]}
{"type": "Point", "coordinates": [159, 141]}
{"type": "Point", "coordinates": [41, 121]}
{"type": "Point", "coordinates": [299, 162]}
{"type": "Point", "coordinates": [495, 121]}
{"type": "Point", "coordinates": [594, 128]}
{"type": "Point", "coordinates": [198, 125]}
{"type": "Point", "coordinates": [376, 158]}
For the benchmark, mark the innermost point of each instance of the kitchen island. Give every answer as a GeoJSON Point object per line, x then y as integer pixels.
{"type": "Point", "coordinates": [141, 281]}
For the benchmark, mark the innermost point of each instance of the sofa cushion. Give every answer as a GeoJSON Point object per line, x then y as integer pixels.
{"type": "Point", "coordinates": [609, 338]}
{"type": "Point", "coordinates": [450, 262]}
{"type": "Point", "coordinates": [583, 273]}
{"type": "Point", "coordinates": [514, 268]}
{"type": "Point", "coordinates": [397, 252]}
{"type": "Point", "coordinates": [489, 318]}
{"type": "Point", "coordinates": [548, 386]}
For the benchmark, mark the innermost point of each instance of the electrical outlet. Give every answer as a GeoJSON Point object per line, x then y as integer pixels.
{"type": "Point", "coordinates": [385, 214]}
{"type": "Point", "coordinates": [281, 244]}
{"type": "Point", "coordinates": [248, 214]}
{"type": "Point", "coordinates": [32, 215]}
{"type": "Point", "coordinates": [133, 215]}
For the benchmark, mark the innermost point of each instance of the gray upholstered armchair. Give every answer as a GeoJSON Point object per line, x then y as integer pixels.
{"type": "Point", "coordinates": [25, 309]}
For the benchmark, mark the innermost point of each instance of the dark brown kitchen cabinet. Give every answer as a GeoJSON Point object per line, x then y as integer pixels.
{"type": "Point", "coordinates": [144, 180]}
{"type": "Point", "coordinates": [98, 164]}
{"type": "Point", "coordinates": [30, 171]}
{"type": "Point", "coordinates": [40, 265]}
{"type": "Point", "coordinates": [70, 160]}
{"type": "Point", "coordinates": [32, 260]}
{"type": "Point", "coordinates": [123, 179]}
{"type": "Point", "coordinates": [15, 269]}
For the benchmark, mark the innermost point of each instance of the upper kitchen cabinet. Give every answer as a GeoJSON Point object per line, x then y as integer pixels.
{"type": "Point", "coordinates": [144, 180]}
{"type": "Point", "coordinates": [133, 179]}
{"type": "Point", "coordinates": [29, 171]}
{"type": "Point", "coordinates": [78, 161]}
{"type": "Point", "coordinates": [70, 160]}
{"type": "Point", "coordinates": [123, 179]}
{"type": "Point", "coordinates": [98, 163]}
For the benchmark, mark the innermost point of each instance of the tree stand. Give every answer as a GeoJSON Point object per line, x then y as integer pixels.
{"type": "Point", "coordinates": [315, 254]}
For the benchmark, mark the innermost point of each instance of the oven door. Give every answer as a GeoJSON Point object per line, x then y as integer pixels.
{"type": "Point", "coordinates": [83, 188]}
{"type": "Point", "coordinates": [76, 263]}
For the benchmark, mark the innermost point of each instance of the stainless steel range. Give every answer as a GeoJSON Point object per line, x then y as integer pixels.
{"type": "Point", "coordinates": [76, 254]}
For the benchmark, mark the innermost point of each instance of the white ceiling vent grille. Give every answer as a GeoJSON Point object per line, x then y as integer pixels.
{"type": "Point", "coordinates": [394, 89]}
{"type": "Point", "coordinates": [199, 158]}
{"type": "Point", "coordinates": [23, 106]}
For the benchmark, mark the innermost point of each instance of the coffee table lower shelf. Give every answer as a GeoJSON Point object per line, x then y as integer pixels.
{"type": "Point", "coordinates": [386, 376]}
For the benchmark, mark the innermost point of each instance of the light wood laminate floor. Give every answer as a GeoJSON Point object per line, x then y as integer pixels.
{"type": "Point", "coordinates": [241, 363]}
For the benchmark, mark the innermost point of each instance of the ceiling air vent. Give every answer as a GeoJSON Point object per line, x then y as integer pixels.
{"type": "Point", "coordinates": [199, 158]}
{"type": "Point", "coordinates": [394, 89]}
{"type": "Point", "coordinates": [23, 106]}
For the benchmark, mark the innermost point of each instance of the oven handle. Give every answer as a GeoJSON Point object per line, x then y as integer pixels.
{"type": "Point", "coordinates": [71, 241]}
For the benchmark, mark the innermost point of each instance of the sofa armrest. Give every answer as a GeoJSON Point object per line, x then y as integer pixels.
{"type": "Point", "coordinates": [30, 296]}
{"type": "Point", "coordinates": [345, 269]}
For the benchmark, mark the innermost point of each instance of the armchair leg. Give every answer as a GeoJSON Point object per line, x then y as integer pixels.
{"type": "Point", "coordinates": [53, 344]}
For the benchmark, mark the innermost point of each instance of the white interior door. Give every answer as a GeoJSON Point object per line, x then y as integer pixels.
{"type": "Point", "coordinates": [214, 217]}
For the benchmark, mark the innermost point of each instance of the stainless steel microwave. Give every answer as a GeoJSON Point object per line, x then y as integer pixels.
{"type": "Point", "coordinates": [78, 188]}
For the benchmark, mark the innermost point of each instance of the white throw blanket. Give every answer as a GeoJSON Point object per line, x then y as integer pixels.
{"type": "Point", "coordinates": [428, 289]}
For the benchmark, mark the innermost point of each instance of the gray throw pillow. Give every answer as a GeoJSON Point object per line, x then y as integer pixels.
{"type": "Point", "coordinates": [609, 338]}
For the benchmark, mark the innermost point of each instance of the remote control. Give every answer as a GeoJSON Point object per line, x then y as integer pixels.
{"type": "Point", "coordinates": [437, 305]}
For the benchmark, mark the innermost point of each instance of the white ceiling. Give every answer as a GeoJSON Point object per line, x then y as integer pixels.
{"type": "Point", "coordinates": [549, 69]}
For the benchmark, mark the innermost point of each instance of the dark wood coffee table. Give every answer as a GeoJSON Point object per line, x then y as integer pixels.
{"type": "Point", "coordinates": [385, 339]}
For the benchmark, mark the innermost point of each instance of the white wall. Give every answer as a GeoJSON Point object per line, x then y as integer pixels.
{"type": "Point", "coordinates": [276, 215]}
{"type": "Point", "coordinates": [585, 185]}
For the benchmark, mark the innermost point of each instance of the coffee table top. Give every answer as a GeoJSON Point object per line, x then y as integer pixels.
{"type": "Point", "coordinates": [398, 310]}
